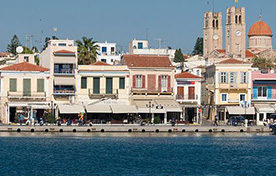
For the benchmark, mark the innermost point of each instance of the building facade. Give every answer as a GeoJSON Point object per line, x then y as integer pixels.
{"type": "Point", "coordinates": [108, 53]}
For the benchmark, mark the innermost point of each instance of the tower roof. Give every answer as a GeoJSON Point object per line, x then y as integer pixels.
{"type": "Point", "coordinates": [260, 28]}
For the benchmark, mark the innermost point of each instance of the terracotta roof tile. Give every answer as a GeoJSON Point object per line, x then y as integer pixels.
{"type": "Point", "coordinates": [249, 54]}
{"type": "Point", "coordinates": [24, 66]}
{"type": "Point", "coordinates": [232, 61]}
{"type": "Point", "coordinates": [260, 28]}
{"type": "Point", "coordinates": [147, 61]}
{"type": "Point", "coordinates": [4, 54]}
{"type": "Point", "coordinates": [221, 51]}
{"type": "Point", "coordinates": [186, 75]}
{"type": "Point", "coordinates": [99, 63]}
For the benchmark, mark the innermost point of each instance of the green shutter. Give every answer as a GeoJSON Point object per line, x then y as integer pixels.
{"type": "Point", "coordinates": [109, 85]}
{"type": "Point", "coordinates": [96, 85]}
{"type": "Point", "coordinates": [13, 85]}
{"type": "Point", "coordinates": [122, 83]}
{"type": "Point", "coordinates": [84, 82]}
{"type": "Point", "coordinates": [26, 87]}
{"type": "Point", "coordinates": [40, 85]}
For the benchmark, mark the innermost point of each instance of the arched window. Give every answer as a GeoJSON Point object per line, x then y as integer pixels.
{"type": "Point", "coordinates": [236, 20]}
{"type": "Point", "coordinates": [213, 23]}
{"type": "Point", "coordinates": [206, 23]}
{"type": "Point", "coordinates": [217, 23]}
{"type": "Point", "coordinates": [240, 19]}
{"type": "Point", "coordinates": [229, 19]}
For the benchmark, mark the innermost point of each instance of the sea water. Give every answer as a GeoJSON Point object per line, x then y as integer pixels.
{"type": "Point", "coordinates": [142, 154]}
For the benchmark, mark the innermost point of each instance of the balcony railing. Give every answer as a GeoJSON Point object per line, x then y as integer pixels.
{"type": "Point", "coordinates": [26, 95]}
{"type": "Point", "coordinates": [269, 97]}
{"type": "Point", "coordinates": [64, 71]}
{"type": "Point", "coordinates": [63, 92]}
{"type": "Point", "coordinates": [148, 91]}
{"type": "Point", "coordinates": [233, 86]}
{"type": "Point", "coordinates": [187, 97]}
{"type": "Point", "coordinates": [102, 93]}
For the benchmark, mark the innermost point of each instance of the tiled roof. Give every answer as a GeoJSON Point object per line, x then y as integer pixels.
{"type": "Point", "coordinates": [25, 66]}
{"type": "Point", "coordinates": [4, 54]}
{"type": "Point", "coordinates": [147, 61]}
{"type": "Point", "coordinates": [260, 28]}
{"type": "Point", "coordinates": [249, 54]}
{"type": "Point", "coordinates": [64, 52]}
{"type": "Point", "coordinates": [100, 63]}
{"type": "Point", "coordinates": [186, 75]}
{"type": "Point", "coordinates": [221, 50]}
{"type": "Point", "coordinates": [232, 61]}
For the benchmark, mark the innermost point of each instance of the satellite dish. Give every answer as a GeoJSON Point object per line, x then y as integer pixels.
{"type": "Point", "coordinates": [19, 49]}
{"type": "Point", "coordinates": [272, 71]}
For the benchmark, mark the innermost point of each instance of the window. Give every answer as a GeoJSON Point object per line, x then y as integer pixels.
{"type": "Point", "coordinates": [104, 49]}
{"type": "Point", "coordinates": [244, 77]}
{"type": "Point", "coordinates": [62, 44]}
{"type": "Point", "coordinates": [40, 85]}
{"type": "Point", "coordinates": [13, 85]}
{"type": "Point", "coordinates": [26, 58]}
{"type": "Point", "coordinates": [233, 77]}
{"type": "Point", "coordinates": [103, 60]}
{"type": "Point", "coordinates": [224, 97]}
{"type": "Point", "coordinates": [223, 77]}
{"type": "Point", "coordinates": [242, 97]}
{"type": "Point", "coordinates": [84, 82]}
{"type": "Point", "coordinates": [140, 45]}
{"type": "Point", "coordinates": [164, 83]}
{"type": "Point", "coordinates": [262, 91]}
{"type": "Point", "coordinates": [109, 85]}
{"type": "Point", "coordinates": [121, 83]}
{"type": "Point", "coordinates": [112, 49]}
{"type": "Point", "coordinates": [96, 85]}
{"type": "Point", "coordinates": [139, 81]}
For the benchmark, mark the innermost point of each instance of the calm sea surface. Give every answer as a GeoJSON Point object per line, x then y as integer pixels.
{"type": "Point", "coordinates": [137, 154]}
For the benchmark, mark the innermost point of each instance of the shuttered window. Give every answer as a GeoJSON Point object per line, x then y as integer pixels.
{"type": "Point", "coordinates": [122, 83]}
{"type": "Point", "coordinates": [40, 85]}
{"type": "Point", "coordinates": [13, 85]}
{"type": "Point", "coordinates": [84, 82]}
{"type": "Point", "coordinates": [96, 85]}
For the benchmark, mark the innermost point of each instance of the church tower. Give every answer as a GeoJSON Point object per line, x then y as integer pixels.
{"type": "Point", "coordinates": [235, 43]}
{"type": "Point", "coordinates": [212, 32]}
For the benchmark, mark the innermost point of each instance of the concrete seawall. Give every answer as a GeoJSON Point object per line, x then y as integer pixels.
{"type": "Point", "coordinates": [132, 128]}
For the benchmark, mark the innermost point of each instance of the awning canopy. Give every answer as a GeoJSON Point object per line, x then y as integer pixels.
{"type": "Point", "coordinates": [237, 110]}
{"type": "Point", "coordinates": [169, 105]}
{"type": "Point", "coordinates": [122, 109]}
{"type": "Point", "coordinates": [143, 107]}
{"type": "Point", "coordinates": [265, 108]}
{"type": "Point", "coordinates": [98, 109]}
{"type": "Point", "coordinates": [70, 109]}
{"type": "Point", "coordinates": [64, 81]}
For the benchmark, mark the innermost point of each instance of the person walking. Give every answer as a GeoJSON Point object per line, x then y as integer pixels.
{"type": "Point", "coordinates": [216, 120]}
{"type": "Point", "coordinates": [21, 118]}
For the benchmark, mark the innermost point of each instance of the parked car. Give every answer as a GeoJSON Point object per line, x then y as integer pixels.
{"type": "Point", "coordinates": [236, 121]}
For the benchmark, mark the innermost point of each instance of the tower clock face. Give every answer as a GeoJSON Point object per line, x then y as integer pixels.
{"type": "Point", "coordinates": [238, 33]}
{"type": "Point", "coordinates": [215, 37]}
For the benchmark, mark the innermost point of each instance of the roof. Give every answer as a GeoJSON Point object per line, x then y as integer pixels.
{"type": "Point", "coordinates": [4, 54]}
{"type": "Point", "coordinates": [24, 66]}
{"type": "Point", "coordinates": [232, 61]}
{"type": "Point", "coordinates": [99, 63]}
{"type": "Point", "coordinates": [221, 51]}
{"type": "Point", "coordinates": [260, 28]}
{"type": "Point", "coordinates": [186, 75]}
{"type": "Point", "coordinates": [147, 61]}
{"type": "Point", "coordinates": [249, 54]}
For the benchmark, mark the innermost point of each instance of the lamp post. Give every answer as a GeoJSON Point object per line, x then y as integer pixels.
{"type": "Point", "coordinates": [150, 105]}
{"type": "Point", "coordinates": [245, 105]}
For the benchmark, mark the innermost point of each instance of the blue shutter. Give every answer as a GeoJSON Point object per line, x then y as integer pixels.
{"type": "Point", "coordinates": [255, 92]}
{"type": "Point", "coordinates": [269, 92]}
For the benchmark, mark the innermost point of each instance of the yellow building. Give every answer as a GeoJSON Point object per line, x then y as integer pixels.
{"type": "Point", "coordinates": [229, 86]}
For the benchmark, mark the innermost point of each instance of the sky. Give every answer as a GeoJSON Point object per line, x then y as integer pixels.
{"type": "Point", "coordinates": [177, 22]}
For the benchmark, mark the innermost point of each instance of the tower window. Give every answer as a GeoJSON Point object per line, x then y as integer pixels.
{"type": "Point", "coordinates": [240, 19]}
{"type": "Point", "coordinates": [213, 23]}
{"type": "Point", "coordinates": [236, 20]}
{"type": "Point", "coordinates": [217, 23]}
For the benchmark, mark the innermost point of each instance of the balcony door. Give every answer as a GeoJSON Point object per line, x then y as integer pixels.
{"type": "Point", "coordinates": [180, 92]}
{"type": "Point", "coordinates": [96, 85]}
{"type": "Point", "coordinates": [191, 91]}
{"type": "Point", "coordinates": [26, 87]}
{"type": "Point", "coordinates": [109, 85]}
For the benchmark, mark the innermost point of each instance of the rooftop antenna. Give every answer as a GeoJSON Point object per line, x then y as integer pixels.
{"type": "Point", "coordinates": [55, 30]}
{"type": "Point", "coordinates": [261, 13]}
{"type": "Point", "coordinates": [160, 41]}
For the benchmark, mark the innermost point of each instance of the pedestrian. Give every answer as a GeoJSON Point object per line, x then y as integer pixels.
{"type": "Point", "coordinates": [21, 118]}
{"type": "Point", "coordinates": [216, 120]}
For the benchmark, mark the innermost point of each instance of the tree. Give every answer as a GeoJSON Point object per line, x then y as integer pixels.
{"type": "Point", "coordinates": [198, 48]}
{"type": "Point", "coordinates": [13, 45]}
{"type": "Point", "coordinates": [260, 62]}
{"type": "Point", "coordinates": [47, 40]}
{"type": "Point", "coordinates": [178, 56]}
{"type": "Point", "coordinates": [27, 50]}
{"type": "Point", "coordinates": [87, 51]}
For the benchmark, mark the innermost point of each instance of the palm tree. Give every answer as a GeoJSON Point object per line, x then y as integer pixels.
{"type": "Point", "coordinates": [87, 51]}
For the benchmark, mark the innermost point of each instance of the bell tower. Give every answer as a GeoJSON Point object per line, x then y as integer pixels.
{"type": "Point", "coordinates": [235, 43]}
{"type": "Point", "coordinates": [212, 32]}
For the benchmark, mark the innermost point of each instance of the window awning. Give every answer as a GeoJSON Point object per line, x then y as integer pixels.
{"type": "Point", "coordinates": [265, 108]}
{"type": "Point", "coordinates": [98, 109]}
{"type": "Point", "coordinates": [123, 109]}
{"type": "Point", "coordinates": [64, 81]}
{"type": "Point", "coordinates": [169, 105]}
{"type": "Point", "coordinates": [70, 109]}
{"type": "Point", "coordinates": [142, 107]}
{"type": "Point", "coordinates": [237, 110]}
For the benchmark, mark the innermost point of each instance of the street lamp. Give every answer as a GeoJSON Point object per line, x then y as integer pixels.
{"type": "Point", "coordinates": [245, 105]}
{"type": "Point", "coordinates": [150, 105]}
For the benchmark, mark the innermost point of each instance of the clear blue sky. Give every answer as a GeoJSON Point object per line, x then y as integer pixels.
{"type": "Point", "coordinates": [179, 22]}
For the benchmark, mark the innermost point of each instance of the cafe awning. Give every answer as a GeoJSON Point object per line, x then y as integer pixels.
{"type": "Point", "coordinates": [64, 81]}
{"type": "Point", "coordinates": [70, 109]}
{"type": "Point", "coordinates": [265, 108]}
{"type": "Point", "coordinates": [169, 105]}
{"type": "Point", "coordinates": [98, 109]}
{"type": "Point", "coordinates": [124, 109]}
{"type": "Point", "coordinates": [237, 110]}
{"type": "Point", "coordinates": [143, 107]}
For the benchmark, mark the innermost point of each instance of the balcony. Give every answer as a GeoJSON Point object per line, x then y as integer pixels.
{"type": "Point", "coordinates": [103, 93]}
{"type": "Point", "coordinates": [231, 86]}
{"type": "Point", "coordinates": [26, 95]}
{"type": "Point", "coordinates": [64, 91]}
{"type": "Point", "coordinates": [268, 98]}
{"type": "Point", "coordinates": [146, 91]}
{"type": "Point", "coordinates": [65, 71]}
{"type": "Point", "coordinates": [190, 97]}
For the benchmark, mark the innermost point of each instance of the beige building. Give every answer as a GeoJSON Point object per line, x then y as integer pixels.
{"type": "Point", "coordinates": [212, 33]}
{"type": "Point", "coordinates": [24, 90]}
{"type": "Point", "coordinates": [228, 84]}
{"type": "Point", "coordinates": [235, 43]}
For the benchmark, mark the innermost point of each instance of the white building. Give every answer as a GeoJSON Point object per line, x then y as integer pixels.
{"type": "Point", "coordinates": [108, 53]}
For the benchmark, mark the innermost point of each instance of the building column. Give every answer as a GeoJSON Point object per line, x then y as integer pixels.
{"type": "Point", "coordinates": [8, 114]}
{"type": "Point", "coordinates": [152, 117]}
{"type": "Point", "coordinates": [258, 118]}
{"type": "Point", "coordinates": [225, 121]}
{"type": "Point", "coordinates": [197, 116]}
{"type": "Point", "coordinates": [265, 118]}
{"type": "Point", "coordinates": [165, 118]}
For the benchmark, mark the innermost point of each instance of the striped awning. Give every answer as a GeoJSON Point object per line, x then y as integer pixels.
{"type": "Point", "coordinates": [64, 81]}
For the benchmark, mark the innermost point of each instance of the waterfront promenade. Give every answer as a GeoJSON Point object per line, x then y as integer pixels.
{"type": "Point", "coordinates": [132, 128]}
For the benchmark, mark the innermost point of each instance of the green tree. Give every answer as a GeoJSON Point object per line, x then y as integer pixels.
{"type": "Point", "coordinates": [27, 50]}
{"type": "Point", "coordinates": [87, 51]}
{"type": "Point", "coordinates": [36, 59]}
{"type": "Point", "coordinates": [178, 56]}
{"type": "Point", "coordinates": [260, 62]}
{"type": "Point", "coordinates": [198, 48]}
{"type": "Point", "coordinates": [13, 45]}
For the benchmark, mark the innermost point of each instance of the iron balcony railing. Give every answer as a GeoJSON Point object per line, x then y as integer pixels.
{"type": "Point", "coordinates": [100, 93]}
{"type": "Point", "coordinates": [187, 97]}
{"type": "Point", "coordinates": [63, 91]}
{"type": "Point", "coordinates": [64, 71]}
{"type": "Point", "coordinates": [26, 94]}
{"type": "Point", "coordinates": [151, 91]}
